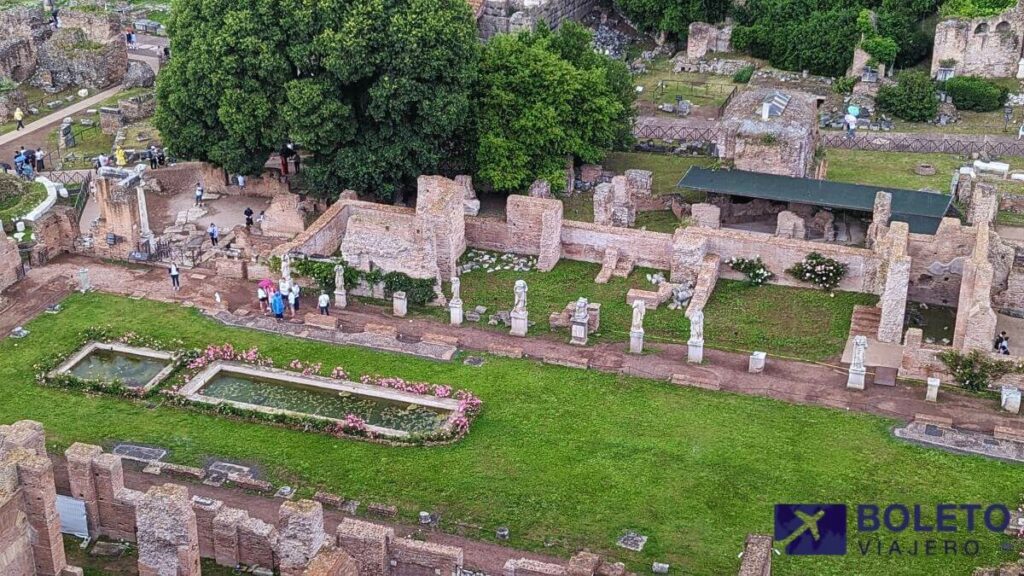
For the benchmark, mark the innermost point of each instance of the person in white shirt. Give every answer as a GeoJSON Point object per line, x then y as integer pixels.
{"type": "Point", "coordinates": [261, 295]}
{"type": "Point", "coordinates": [175, 277]}
{"type": "Point", "coordinates": [295, 291]}
{"type": "Point", "coordinates": [292, 302]}
{"type": "Point", "coordinates": [324, 302]}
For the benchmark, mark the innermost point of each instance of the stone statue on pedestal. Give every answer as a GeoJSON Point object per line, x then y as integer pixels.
{"type": "Point", "coordinates": [456, 288]}
{"type": "Point", "coordinates": [697, 326]}
{"type": "Point", "coordinates": [520, 290]}
{"type": "Point", "coordinates": [639, 310]}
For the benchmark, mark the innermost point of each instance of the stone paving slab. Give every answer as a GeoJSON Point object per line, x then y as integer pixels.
{"type": "Point", "coordinates": [964, 441]}
{"type": "Point", "coordinates": [377, 341]}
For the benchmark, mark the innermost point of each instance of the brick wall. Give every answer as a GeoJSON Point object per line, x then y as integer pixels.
{"type": "Point", "coordinates": [588, 242]}
{"type": "Point", "coordinates": [987, 47]}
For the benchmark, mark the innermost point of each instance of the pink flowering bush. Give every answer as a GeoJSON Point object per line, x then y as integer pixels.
{"type": "Point", "coordinates": [227, 352]}
{"type": "Point", "coordinates": [339, 373]}
{"type": "Point", "coordinates": [469, 404]}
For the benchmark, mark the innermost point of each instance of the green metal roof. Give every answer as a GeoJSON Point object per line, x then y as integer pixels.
{"type": "Point", "coordinates": [921, 210]}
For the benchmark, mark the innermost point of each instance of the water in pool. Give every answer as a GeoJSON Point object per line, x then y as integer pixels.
{"type": "Point", "coordinates": [109, 366]}
{"type": "Point", "coordinates": [937, 323]}
{"type": "Point", "coordinates": [331, 404]}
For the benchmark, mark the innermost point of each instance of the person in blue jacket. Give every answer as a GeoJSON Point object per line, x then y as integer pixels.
{"type": "Point", "coordinates": [277, 305]}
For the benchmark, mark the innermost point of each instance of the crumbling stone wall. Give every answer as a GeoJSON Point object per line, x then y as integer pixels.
{"type": "Point", "coordinates": [703, 38]}
{"type": "Point", "coordinates": [24, 29]}
{"type": "Point", "coordinates": [117, 194]}
{"type": "Point", "coordinates": [503, 16]}
{"type": "Point", "coordinates": [987, 47]}
{"type": "Point", "coordinates": [88, 50]}
{"type": "Point", "coordinates": [535, 227]}
{"type": "Point", "coordinates": [167, 536]}
{"type": "Point", "coordinates": [56, 231]}
{"type": "Point", "coordinates": [10, 260]}
{"type": "Point", "coordinates": [893, 301]}
{"type": "Point", "coordinates": [975, 318]}
{"type": "Point", "coordinates": [589, 242]}
{"type": "Point", "coordinates": [30, 540]}
{"type": "Point", "coordinates": [439, 210]}
{"type": "Point", "coordinates": [937, 262]}
{"type": "Point", "coordinates": [617, 202]}
{"type": "Point", "coordinates": [781, 145]}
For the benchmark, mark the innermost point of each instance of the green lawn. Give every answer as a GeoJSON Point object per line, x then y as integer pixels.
{"type": "Point", "coordinates": [18, 206]}
{"type": "Point", "coordinates": [667, 168]}
{"type": "Point", "coordinates": [658, 221]}
{"type": "Point", "coordinates": [891, 169]}
{"type": "Point", "coordinates": [1010, 218]}
{"type": "Point", "coordinates": [90, 142]}
{"type": "Point", "coordinates": [568, 456]}
{"type": "Point", "coordinates": [804, 323]}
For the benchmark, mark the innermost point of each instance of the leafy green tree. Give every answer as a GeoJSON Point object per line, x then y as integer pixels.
{"type": "Point", "coordinates": [377, 92]}
{"type": "Point", "coordinates": [912, 98]}
{"type": "Point", "coordinates": [673, 16]}
{"type": "Point", "coordinates": [544, 96]}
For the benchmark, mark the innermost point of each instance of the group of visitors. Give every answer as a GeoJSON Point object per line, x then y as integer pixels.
{"type": "Point", "coordinates": [156, 156]}
{"type": "Point", "coordinates": [1002, 343]}
{"type": "Point", "coordinates": [26, 163]}
{"type": "Point", "coordinates": [289, 154]}
{"type": "Point", "coordinates": [273, 299]}
{"type": "Point", "coordinates": [104, 161]}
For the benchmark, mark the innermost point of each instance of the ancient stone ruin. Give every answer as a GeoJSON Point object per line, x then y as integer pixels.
{"type": "Point", "coordinates": [988, 47]}
{"type": "Point", "coordinates": [772, 131]}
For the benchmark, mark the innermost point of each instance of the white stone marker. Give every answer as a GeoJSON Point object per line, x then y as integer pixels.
{"type": "Point", "coordinates": [636, 331]}
{"type": "Point", "coordinates": [340, 296]}
{"type": "Point", "coordinates": [519, 315]}
{"type": "Point", "coordinates": [855, 380]}
{"type": "Point", "coordinates": [83, 280]}
{"type": "Point", "coordinates": [399, 304]}
{"type": "Point", "coordinates": [1011, 399]}
{"type": "Point", "coordinates": [578, 325]}
{"type": "Point", "coordinates": [756, 363]}
{"type": "Point", "coordinates": [933, 390]}
{"type": "Point", "coordinates": [695, 352]}
{"type": "Point", "coordinates": [455, 304]}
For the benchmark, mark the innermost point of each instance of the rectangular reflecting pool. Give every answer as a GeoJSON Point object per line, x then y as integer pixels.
{"type": "Point", "coordinates": [133, 367]}
{"type": "Point", "coordinates": [386, 412]}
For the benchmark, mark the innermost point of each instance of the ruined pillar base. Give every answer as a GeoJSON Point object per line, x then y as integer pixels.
{"type": "Point", "coordinates": [1010, 399]}
{"type": "Point", "coordinates": [579, 333]}
{"type": "Point", "coordinates": [855, 381]}
{"type": "Point", "coordinates": [455, 311]}
{"type": "Point", "coordinates": [399, 304]}
{"type": "Point", "coordinates": [340, 298]}
{"type": "Point", "coordinates": [757, 362]}
{"type": "Point", "coordinates": [695, 351]}
{"type": "Point", "coordinates": [519, 323]}
{"type": "Point", "coordinates": [933, 390]}
{"type": "Point", "coordinates": [636, 341]}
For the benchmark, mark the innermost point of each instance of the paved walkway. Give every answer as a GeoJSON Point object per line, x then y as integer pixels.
{"type": "Point", "coordinates": [59, 115]}
{"type": "Point", "coordinates": [790, 381]}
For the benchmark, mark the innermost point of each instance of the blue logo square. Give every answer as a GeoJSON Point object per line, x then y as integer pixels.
{"type": "Point", "coordinates": [811, 529]}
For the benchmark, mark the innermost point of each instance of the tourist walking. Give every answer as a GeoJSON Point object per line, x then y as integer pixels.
{"type": "Point", "coordinates": [292, 303]}
{"type": "Point", "coordinates": [30, 157]}
{"type": "Point", "coordinates": [214, 233]}
{"type": "Point", "coordinates": [248, 217]}
{"type": "Point", "coordinates": [261, 296]}
{"type": "Point", "coordinates": [277, 305]}
{"type": "Point", "coordinates": [851, 125]}
{"type": "Point", "coordinates": [40, 165]}
{"type": "Point", "coordinates": [175, 277]}
{"type": "Point", "coordinates": [152, 157]}
{"type": "Point", "coordinates": [199, 194]}
{"type": "Point", "coordinates": [295, 291]}
{"type": "Point", "coordinates": [1004, 346]}
{"type": "Point", "coordinates": [19, 117]}
{"type": "Point", "coordinates": [241, 181]}
{"type": "Point", "coordinates": [324, 302]}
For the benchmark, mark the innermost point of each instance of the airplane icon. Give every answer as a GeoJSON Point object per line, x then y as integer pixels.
{"type": "Point", "coordinates": [809, 524]}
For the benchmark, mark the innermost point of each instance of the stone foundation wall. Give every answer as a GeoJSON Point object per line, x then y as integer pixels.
{"type": "Point", "coordinates": [10, 260]}
{"type": "Point", "coordinates": [937, 262]}
{"type": "Point", "coordinates": [588, 242]}
{"type": "Point", "coordinates": [975, 318]}
{"type": "Point", "coordinates": [703, 38]}
{"type": "Point", "coordinates": [987, 47]}
{"type": "Point", "coordinates": [502, 16]}
{"type": "Point", "coordinates": [56, 231]}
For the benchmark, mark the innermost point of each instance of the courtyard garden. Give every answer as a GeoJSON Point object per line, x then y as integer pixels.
{"type": "Point", "coordinates": [796, 322]}
{"type": "Point", "coordinates": [565, 458]}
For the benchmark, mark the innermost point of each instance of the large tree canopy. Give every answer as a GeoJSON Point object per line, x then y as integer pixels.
{"type": "Point", "coordinates": [379, 92]}
{"type": "Point", "coordinates": [542, 97]}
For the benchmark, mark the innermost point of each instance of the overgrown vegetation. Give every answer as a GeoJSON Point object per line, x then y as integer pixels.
{"type": "Point", "coordinates": [18, 197]}
{"type": "Point", "coordinates": [742, 76]}
{"type": "Point", "coordinates": [976, 370]}
{"type": "Point", "coordinates": [974, 8]}
{"type": "Point", "coordinates": [418, 291]}
{"type": "Point", "coordinates": [754, 269]}
{"type": "Point", "coordinates": [673, 17]}
{"type": "Point", "coordinates": [977, 94]}
{"type": "Point", "coordinates": [912, 98]}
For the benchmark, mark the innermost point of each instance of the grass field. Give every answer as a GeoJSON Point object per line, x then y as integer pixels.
{"type": "Point", "coordinates": [574, 458]}
{"type": "Point", "coordinates": [802, 323]}
{"type": "Point", "coordinates": [667, 168]}
{"type": "Point", "coordinates": [893, 170]}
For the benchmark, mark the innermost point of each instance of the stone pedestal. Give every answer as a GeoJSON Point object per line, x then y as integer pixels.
{"type": "Point", "coordinates": [399, 304]}
{"type": "Point", "coordinates": [636, 341]}
{"type": "Point", "coordinates": [519, 323]}
{"type": "Point", "coordinates": [933, 390]}
{"type": "Point", "coordinates": [83, 280]}
{"type": "Point", "coordinates": [579, 333]}
{"type": "Point", "coordinates": [340, 298]}
{"type": "Point", "coordinates": [756, 363]}
{"type": "Point", "coordinates": [455, 312]}
{"type": "Point", "coordinates": [855, 381]}
{"type": "Point", "coordinates": [1011, 399]}
{"type": "Point", "coordinates": [695, 353]}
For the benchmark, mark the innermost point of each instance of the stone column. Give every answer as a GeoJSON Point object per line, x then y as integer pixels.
{"type": "Point", "coordinates": [399, 304]}
{"type": "Point", "coordinates": [933, 390]}
{"type": "Point", "coordinates": [340, 296]}
{"type": "Point", "coordinates": [695, 352]}
{"type": "Point", "coordinates": [894, 300]}
{"type": "Point", "coordinates": [168, 538]}
{"type": "Point", "coordinates": [855, 379]}
{"type": "Point", "coordinates": [578, 324]}
{"type": "Point", "coordinates": [145, 232]}
{"type": "Point", "coordinates": [455, 304]}
{"type": "Point", "coordinates": [83, 280]}
{"type": "Point", "coordinates": [300, 528]}
{"type": "Point", "coordinates": [35, 476]}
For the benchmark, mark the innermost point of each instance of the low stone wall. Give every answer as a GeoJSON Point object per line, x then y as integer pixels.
{"type": "Point", "coordinates": [588, 242]}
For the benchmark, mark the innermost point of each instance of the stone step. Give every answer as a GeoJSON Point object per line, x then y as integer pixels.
{"type": "Point", "coordinates": [865, 321]}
